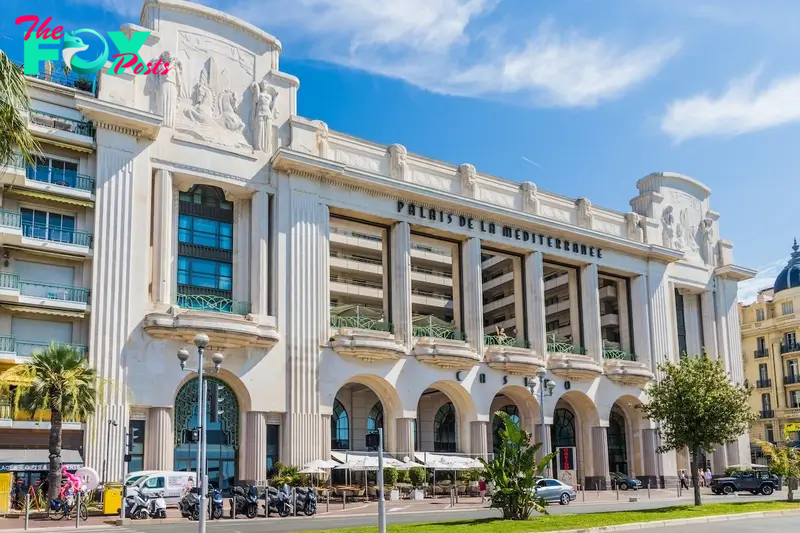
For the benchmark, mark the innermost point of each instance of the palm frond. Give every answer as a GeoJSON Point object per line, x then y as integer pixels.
{"type": "Point", "coordinates": [15, 136]}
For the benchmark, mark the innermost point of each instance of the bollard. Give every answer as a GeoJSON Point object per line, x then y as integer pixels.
{"type": "Point", "coordinates": [294, 501]}
{"type": "Point", "coordinates": [328, 502]}
{"type": "Point", "coordinates": [597, 488]}
{"type": "Point", "coordinates": [583, 490]}
{"type": "Point", "coordinates": [27, 509]}
{"type": "Point", "coordinates": [77, 508]}
{"type": "Point", "coordinates": [617, 486]}
{"type": "Point", "coordinates": [344, 499]}
{"type": "Point", "coordinates": [648, 489]}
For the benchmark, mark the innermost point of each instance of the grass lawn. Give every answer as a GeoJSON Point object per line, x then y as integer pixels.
{"type": "Point", "coordinates": [578, 521]}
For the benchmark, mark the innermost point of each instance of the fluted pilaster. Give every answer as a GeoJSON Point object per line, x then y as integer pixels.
{"type": "Point", "coordinates": [590, 299]}
{"type": "Point", "coordinates": [159, 440]}
{"type": "Point", "coordinates": [472, 289]}
{"type": "Point", "coordinates": [308, 323]}
{"type": "Point", "coordinates": [326, 436]}
{"type": "Point", "coordinates": [599, 459]}
{"type": "Point", "coordinates": [401, 282]}
{"type": "Point", "coordinates": [709, 323]}
{"type": "Point", "coordinates": [649, 446]}
{"type": "Point", "coordinates": [405, 438]}
{"type": "Point", "coordinates": [537, 437]}
{"type": "Point", "coordinates": [662, 314]}
{"type": "Point", "coordinates": [259, 254]}
{"type": "Point", "coordinates": [479, 437]}
{"type": "Point", "coordinates": [691, 318]}
{"type": "Point", "coordinates": [729, 328]}
{"type": "Point", "coordinates": [534, 305]}
{"type": "Point", "coordinates": [163, 245]}
{"type": "Point", "coordinates": [255, 450]}
{"type": "Point", "coordinates": [641, 320]}
{"type": "Point", "coordinates": [719, 460]}
{"type": "Point", "coordinates": [241, 249]}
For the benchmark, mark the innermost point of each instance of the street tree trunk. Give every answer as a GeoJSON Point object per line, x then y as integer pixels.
{"type": "Point", "coordinates": [54, 474]}
{"type": "Point", "coordinates": [789, 489]}
{"type": "Point", "coordinates": [695, 480]}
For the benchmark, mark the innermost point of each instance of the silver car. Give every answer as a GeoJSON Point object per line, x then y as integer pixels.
{"type": "Point", "coordinates": [552, 490]}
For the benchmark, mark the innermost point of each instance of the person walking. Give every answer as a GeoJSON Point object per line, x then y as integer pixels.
{"type": "Point", "coordinates": [701, 480]}
{"type": "Point", "coordinates": [682, 475]}
{"type": "Point", "coordinates": [708, 477]}
{"type": "Point", "coordinates": [482, 489]}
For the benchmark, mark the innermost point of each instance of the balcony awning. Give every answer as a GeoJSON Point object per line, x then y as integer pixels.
{"type": "Point", "coordinates": [44, 311]}
{"type": "Point", "coordinates": [68, 146]}
{"type": "Point", "coordinates": [50, 197]}
{"type": "Point", "coordinates": [36, 460]}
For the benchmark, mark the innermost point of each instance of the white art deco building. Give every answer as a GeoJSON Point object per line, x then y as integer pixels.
{"type": "Point", "coordinates": [355, 286]}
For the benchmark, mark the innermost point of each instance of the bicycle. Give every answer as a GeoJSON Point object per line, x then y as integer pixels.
{"type": "Point", "coordinates": [63, 508]}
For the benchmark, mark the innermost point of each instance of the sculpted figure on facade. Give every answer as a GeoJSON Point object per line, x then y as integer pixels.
{"type": "Point", "coordinates": [322, 139]}
{"type": "Point", "coordinates": [469, 180]}
{"type": "Point", "coordinates": [530, 198]}
{"type": "Point", "coordinates": [635, 232]}
{"type": "Point", "coordinates": [585, 215]}
{"type": "Point", "coordinates": [167, 88]}
{"type": "Point", "coordinates": [685, 238]}
{"type": "Point", "coordinates": [264, 114]}
{"type": "Point", "coordinates": [707, 241]}
{"type": "Point", "coordinates": [398, 162]}
{"type": "Point", "coordinates": [668, 227]}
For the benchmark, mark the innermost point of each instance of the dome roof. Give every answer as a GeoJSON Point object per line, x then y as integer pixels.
{"type": "Point", "coordinates": [789, 277]}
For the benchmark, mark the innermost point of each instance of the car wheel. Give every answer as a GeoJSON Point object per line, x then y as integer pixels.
{"type": "Point", "coordinates": [728, 490]}
{"type": "Point", "coordinates": [564, 499]}
{"type": "Point", "coordinates": [623, 486]}
{"type": "Point", "coordinates": [767, 490]}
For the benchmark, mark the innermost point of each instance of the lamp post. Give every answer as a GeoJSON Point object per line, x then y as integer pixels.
{"type": "Point", "coordinates": [108, 448]}
{"type": "Point", "coordinates": [549, 385]}
{"type": "Point", "coordinates": [201, 341]}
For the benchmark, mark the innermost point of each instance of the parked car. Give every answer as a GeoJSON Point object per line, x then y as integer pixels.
{"type": "Point", "coordinates": [552, 490]}
{"type": "Point", "coordinates": [624, 482]}
{"type": "Point", "coordinates": [754, 482]}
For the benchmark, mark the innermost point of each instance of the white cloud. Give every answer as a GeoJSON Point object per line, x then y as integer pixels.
{"type": "Point", "coordinates": [742, 108]}
{"type": "Point", "coordinates": [748, 290]}
{"type": "Point", "coordinates": [126, 8]}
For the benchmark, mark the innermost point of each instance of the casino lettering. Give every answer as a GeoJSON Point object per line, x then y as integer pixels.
{"type": "Point", "coordinates": [491, 228]}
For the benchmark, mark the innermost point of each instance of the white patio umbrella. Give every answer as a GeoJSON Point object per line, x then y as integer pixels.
{"type": "Point", "coordinates": [311, 471]}
{"type": "Point", "coordinates": [321, 464]}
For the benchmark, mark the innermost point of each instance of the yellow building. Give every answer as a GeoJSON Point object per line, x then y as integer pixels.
{"type": "Point", "coordinates": [771, 355]}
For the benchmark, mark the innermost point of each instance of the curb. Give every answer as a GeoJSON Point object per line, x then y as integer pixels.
{"type": "Point", "coordinates": [684, 521]}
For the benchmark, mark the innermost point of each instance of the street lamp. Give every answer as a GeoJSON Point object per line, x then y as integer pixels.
{"type": "Point", "coordinates": [548, 384]}
{"type": "Point", "coordinates": [201, 341]}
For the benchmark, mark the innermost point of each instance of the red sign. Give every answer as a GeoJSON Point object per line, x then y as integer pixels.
{"type": "Point", "coordinates": [566, 459]}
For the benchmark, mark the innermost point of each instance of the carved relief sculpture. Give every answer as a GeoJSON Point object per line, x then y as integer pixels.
{"type": "Point", "coordinates": [264, 114]}
{"type": "Point", "coordinates": [322, 139]}
{"type": "Point", "coordinates": [469, 180]}
{"type": "Point", "coordinates": [585, 215]}
{"type": "Point", "coordinates": [707, 241]}
{"type": "Point", "coordinates": [685, 234]}
{"type": "Point", "coordinates": [634, 230]}
{"type": "Point", "coordinates": [530, 198]}
{"type": "Point", "coordinates": [668, 227]}
{"type": "Point", "coordinates": [167, 89]}
{"type": "Point", "coordinates": [398, 162]}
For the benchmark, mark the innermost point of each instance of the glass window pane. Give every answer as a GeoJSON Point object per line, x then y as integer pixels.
{"type": "Point", "coordinates": [225, 269]}
{"type": "Point", "coordinates": [225, 229]}
{"type": "Point", "coordinates": [185, 222]}
{"type": "Point", "coordinates": [226, 243]}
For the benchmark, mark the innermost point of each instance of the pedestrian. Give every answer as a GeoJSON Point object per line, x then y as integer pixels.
{"type": "Point", "coordinates": [700, 478]}
{"type": "Point", "coordinates": [482, 489]}
{"type": "Point", "coordinates": [708, 477]}
{"type": "Point", "coordinates": [682, 475]}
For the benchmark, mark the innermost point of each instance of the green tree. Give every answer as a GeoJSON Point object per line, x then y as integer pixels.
{"type": "Point", "coordinates": [513, 472]}
{"type": "Point", "coordinates": [15, 137]}
{"type": "Point", "coordinates": [390, 476]}
{"type": "Point", "coordinates": [57, 379]}
{"type": "Point", "coordinates": [697, 407]}
{"type": "Point", "coordinates": [785, 463]}
{"type": "Point", "coordinates": [417, 476]}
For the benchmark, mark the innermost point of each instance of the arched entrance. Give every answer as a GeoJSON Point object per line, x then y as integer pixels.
{"type": "Point", "coordinates": [564, 440]}
{"type": "Point", "coordinates": [340, 427]}
{"type": "Point", "coordinates": [617, 442]}
{"type": "Point", "coordinates": [444, 429]}
{"type": "Point", "coordinates": [497, 424]}
{"type": "Point", "coordinates": [359, 411]}
{"type": "Point", "coordinates": [520, 405]}
{"type": "Point", "coordinates": [222, 436]}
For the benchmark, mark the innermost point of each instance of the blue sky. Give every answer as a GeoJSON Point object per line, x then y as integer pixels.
{"type": "Point", "coordinates": [596, 93]}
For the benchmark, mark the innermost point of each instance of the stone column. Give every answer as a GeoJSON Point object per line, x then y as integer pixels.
{"type": "Point", "coordinates": [709, 323]}
{"type": "Point", "coordinates": [624, 318]}
{"type": "Point", "coordinates": [590, 299]}
{"type": "Point", "coordinates": [574, 308]}
{"type": "Point", "coordinates": [255, 449]}
{"type": "Point", "coordinates": [307, 322]}
{"type": "Point", "coordinates": [405, 438]}
{"type": "Point", "coordinates": [691, 317]}
{"type": "Point", "coordinates": [326, 437]}
{"type": "Point", "coordinates": [728, 328]}
{"type": "Point", "coordinates": [600, 477]}
{"type": "Point", "coordinates": [662, 318]}
{"type": "Point", "coordinates": [534, 315]}
{"type": "Point", "coordinates": [159, 439]}
{"type": "Point", "coordinates": [259, 254]}
{"type": "Point", "coordinates": [479, 435]}
{"type": "Point", "coordinates": [719, 460]}
{"type": "Point", "coordinates": [241, 249]}
{"type": "Point", "coordinates": [652, 474]}
{"type": "Point", "coordinates": [163, 245]}
{"type": "Point", "coordinates": [400, 241]}
{"type": "Point", "coordinates": [641, 321]}
{"type": "Point", "coordinates": [537, 437]}
{"type": "Point", "coordinates": [472, 289]}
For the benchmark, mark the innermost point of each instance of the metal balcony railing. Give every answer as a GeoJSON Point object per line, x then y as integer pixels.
{"type": "Point", "coordinates": [212, 303]}
{"type": "Point", "coordinates": [791, 379]}
{"type": "Point", "coordinates": [55, 72]}
{"type": "Point", "coordinates": [61, 177]}
{"type": "Point", "coordinates": [437, 331]}
{"type": "Point", "coordinates": [763, 383]}
{"type": "Point", "coordinates": [431, 294]}
{"type": "Point", "coordinates": [10, 219]}
{"type": "Point", "coordinates": [513, 342]}
{"type": "Point", "coordinates": [556, 345]}
{"type": "Point", "coordinates": [357, 282]}
{"type": "Point", "coordinates": [357, 258]}
{"type": "Point", "coordinates": [57, 234]}
{"type": "Point", "coordinates": [49, 291]}
{"type": "Point", "coordinates": [790, 347]}
{"type": "Point", "coordinates": [761, 353]}
{"type": "Point", "coordinates": [621, 355]}
{"type": "Point", "coordinates": [361, 322]}
{"type": "Point", "coordinates": [432, 272]}
{"type": "Point", "coordinates": [10, 344]}
{"type": "Point", "coordinates": [767, 413]}
{"type": "Point", "coordinates": [69, 125]}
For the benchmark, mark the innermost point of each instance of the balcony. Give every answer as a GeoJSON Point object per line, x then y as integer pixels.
{"type": "Point", "coordinates": [766, 413]}
{"type": "Point", "coordinates": [609, 292]}
{"type": "Point", "coordinates": [20, 419]}
{"type": "Point", "coordinates": [228, 322]}
{"type": "Point", "coordinates": [18, 351]}
{"type": "Point", "coordinates": [360, 332]}
{"type": "Point", "coordinates": [790, 348]}
{"type": "Point", "coordinates": [609, 319]}
{"type": "Point", "coordinates": [440, 343]}
{"type": "Point", "coordinates": [511, 355]}
{"type": "Point", "coordinates": [571, 362]}
{"type": "Point", "coordinates": [791, 379]}
{"type": "Point", "coordinates": [760, 353]}
{"type": "Point", "coordinates": [61, 129]}
{"type": "Point", "coordinates": [764, 383]}
{"type": "Point", "coordinates": [32, 293]}
{"type": "Point", "coordinates": [360, 288]}
{"type": "Point", "coordinates": [41, 237]}
{"type": "Point", "coordinates": [621, 367]}
{"type": "Point", "coordinates": [57, 73]}
{"type": "Point", "coordinates": [555, 280]}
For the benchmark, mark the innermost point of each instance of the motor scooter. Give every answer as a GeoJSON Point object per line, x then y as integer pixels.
{"type": "Point", "coordinates": [244, 501]}
{"type": "Point", "coordinates": [156, 506]}
{"type": "Point", "coordinates": [189, 505]}
{"type": "Point", "coordinates": [278, 501]}
{"type": "Point", "coordinates": [215, 500]}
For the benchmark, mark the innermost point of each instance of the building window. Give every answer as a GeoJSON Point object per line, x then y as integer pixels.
{"type": "Point", "coordinates": [48, 226]}
{"type": "Point", "coordinates": [204, 232]}
{"type": "Point", "coordinates": [766, 402]}
{"type": "Point", "coordinates": [759, 315]}
{"type": "Point", "coordinates": [375, 418]}
{"type": "Point", "coordinates": [769, 433]}
{"type": "Point", "coordinates": [273, 447]}
{"type": "Point", "coordinates": [340, 427]}
{"type": "Point", "coordinates": [761, 344]}
{"type": "Point", "coordinates": [205, 273]}
{"type": "Point", "coordinates": [791, 368]}
{"type": "Point", "coordinates": [137, 430]}
{"type": "Point", "coordinates": [794, 399]}
{"type": "Point", "coordinates": [789, 339]}
{"type": "Point", "coordinates": [762, 372]}
{"type": "Point", "coordinates": [444, 429]}
{"type": "Point", "coordinates": [681, 319]}
{"type": "Point", "coordinates": [563, 431]}
{"type": "Point", "coordinates": [787, 308]}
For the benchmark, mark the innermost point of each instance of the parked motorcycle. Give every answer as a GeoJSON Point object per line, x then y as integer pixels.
{"type": "Point", "coordinates": [215, 499]}
{"type": "Point", "coordinates": [278, 501]}
{"type": "Point", "coordinates": [306, 501]}
{"type": "Point", "coordinates": [136, 507]}
{"type": "Point", "coordinates": [156, 506]}
{"type": "Point", "coordinates": [244, 501]}
{"type": "Point", "coordinates": [189, 505]}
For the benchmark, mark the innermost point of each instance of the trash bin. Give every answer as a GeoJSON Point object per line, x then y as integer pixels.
{"type": "Point", "coordinates": [112, 498]}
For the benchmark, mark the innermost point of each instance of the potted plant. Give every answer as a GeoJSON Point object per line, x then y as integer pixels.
{"type": "Point", "coordinates": [390, 476]}
{"type": "Point", "coordinates": [84, 84]}
{"type": "Point", "coordinates": [417, 476]}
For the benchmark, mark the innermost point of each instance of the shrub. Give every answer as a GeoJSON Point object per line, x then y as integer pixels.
{"type": "Point", "coordinates": [390, 476]}
{"type": "Point", "coordinates": [402, 476]}
{"type": "Point", "coordinates": [417, 476]}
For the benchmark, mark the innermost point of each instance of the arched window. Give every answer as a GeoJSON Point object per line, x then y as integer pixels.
{"type": "Point", "coordinates": [340, 427]}
{"type": "Point", "coordinates": [563, 428]}
{"type": "Point", "coordinates": [497, 424]}
{"type": "Point", "coordinates": [444, 429]}
{"type": "Point", "coordinates": [617, 443]}
{"type": "Point", "coordinates": [375, 418]}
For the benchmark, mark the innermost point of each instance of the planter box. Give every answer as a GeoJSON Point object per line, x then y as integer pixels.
{"type": "Point", "coordinates": [417, 494]}
{"type": "Point", "coordinates": [394, 495]}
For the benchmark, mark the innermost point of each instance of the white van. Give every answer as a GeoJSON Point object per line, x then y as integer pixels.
{"type": "Point", "coordinates": [172, 484]}
{"type": "Point", "coordinates": [133, 477]}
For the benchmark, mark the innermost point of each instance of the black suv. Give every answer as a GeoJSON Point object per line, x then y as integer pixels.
{"type": "Point", "coordinates": [753, 482]}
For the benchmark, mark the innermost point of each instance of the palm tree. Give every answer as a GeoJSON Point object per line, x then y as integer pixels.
{"type": "Point", "coordinates": [15, 137]}
{"type": "Point", "coordinates": [57, 379]}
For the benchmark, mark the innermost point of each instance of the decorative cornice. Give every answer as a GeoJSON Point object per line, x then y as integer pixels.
{"type": "Point", "coordinates": [119, 118]}
{"type": "Point", "coordinates": [197, 170]}
{"type": "Point", "coordinates": [735, 272]}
